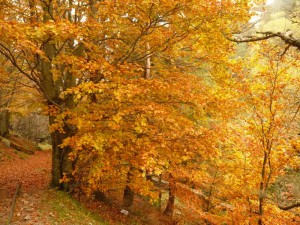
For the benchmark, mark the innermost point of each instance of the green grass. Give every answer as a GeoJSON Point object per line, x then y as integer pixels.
{"type": "Point", "coordinates": [22, 155]}
{"type": "Point", "coordinates": [65, 210]}
{"type": "Point", "coordinates": [43, 146]}
{"type": "Point", "coordinates": [289, 182]}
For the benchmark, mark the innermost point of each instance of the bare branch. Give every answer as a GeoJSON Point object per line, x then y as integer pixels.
{"type": "Point", "coordinates": [296, 205]}
{"type": "Point", "coordinates": [288, 39]}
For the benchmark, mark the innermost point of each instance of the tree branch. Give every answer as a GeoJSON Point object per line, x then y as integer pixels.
{"type": "Point", "coordinates": [288, 39]}
{"type": "Point", "coordinates": [296, 205]}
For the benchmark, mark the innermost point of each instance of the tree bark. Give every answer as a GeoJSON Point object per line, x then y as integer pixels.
{"type": "Point", "coordinates": [61, 164]}
{"type": "Point", "coordinates": [266, 35]}
{"type": "Point", "coordinates": [128, 195]}
{"type": "Point", "coordinates": [262, 189]}
{"type": "Point", "coordinates": [296, 205]}
{"type": "Point", "coordinates": [100, 196]}
{"type": "Point", "coordinates": [4, 116]}
{"type": "Point", "coordinates": [148, 62]}
{"type": "Point", "coordinates": [169, 210]}
{"type": "Point", "coordinates": [4, 123]}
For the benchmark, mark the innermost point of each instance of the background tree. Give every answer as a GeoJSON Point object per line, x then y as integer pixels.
{"type": "Point", "coordinates": [276, 20]}
{"type": "Point", "coordinates": [12, 86]}
{"type": "Point", "coordinates": [268, 123]}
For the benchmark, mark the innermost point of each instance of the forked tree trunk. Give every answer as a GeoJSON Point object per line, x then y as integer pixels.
{"type": "Point", "coordinates": [61, 164]}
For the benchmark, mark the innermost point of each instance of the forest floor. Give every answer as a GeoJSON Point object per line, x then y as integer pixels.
{"type": "Point", "coordinates": [37, 204]}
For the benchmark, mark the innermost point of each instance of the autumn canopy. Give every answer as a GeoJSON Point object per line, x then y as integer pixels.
{"type": "Point", "coordinates": [149, 98]}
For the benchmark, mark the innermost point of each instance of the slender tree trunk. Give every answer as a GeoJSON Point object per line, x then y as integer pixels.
{"type": "Point", "coordinates": [128, 195]}
{"type": "Point", "coordinates": [147, 72]}
{"type": "Point", "coordinates": [262, 189]}
{"type": "Point", "coordinates": [160, 193]}
{"type": "Point", "coordinates": [4, 117]}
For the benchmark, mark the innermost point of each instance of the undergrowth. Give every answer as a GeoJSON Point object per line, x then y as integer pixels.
{"type": "Point", "coordinates": [65, 210]}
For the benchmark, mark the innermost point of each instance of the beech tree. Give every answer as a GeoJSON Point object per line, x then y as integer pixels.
{"type": "Point", "coordinates": [59, 45]}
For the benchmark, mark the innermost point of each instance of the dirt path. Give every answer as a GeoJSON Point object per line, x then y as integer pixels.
{"type": "Point", "coordinates": [33, 172]}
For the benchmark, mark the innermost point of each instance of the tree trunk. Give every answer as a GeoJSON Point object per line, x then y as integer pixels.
{"type": "Point", "coordinates": [4, 116]}
{"type": "Point", "coordinates": [147, 72]}
{"type": "Point", "coordinates": [262, 189]}
{"type": "Point", "coordinates": [4, 123]}
{"type": "Point", "coordinates": [61, 164]}
{"type": "Point", "coordinates": [171, 201]}
{"type": "Point", "coordinates": [128, 197]}
{"type": "Point", "coordinates": [128, 192]}
{"type": "Point", "coordinates": [100, 196]}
